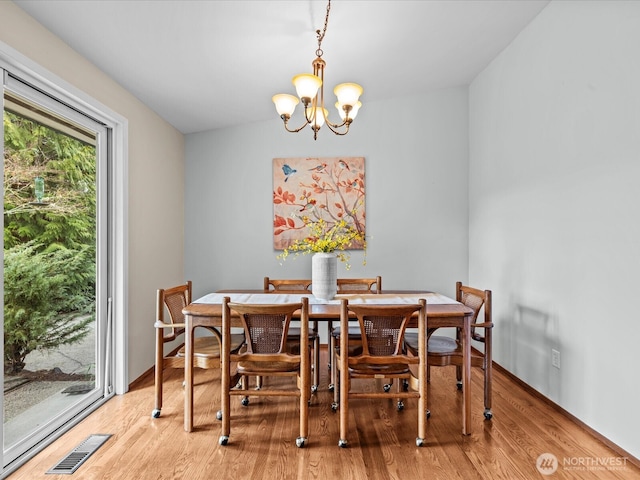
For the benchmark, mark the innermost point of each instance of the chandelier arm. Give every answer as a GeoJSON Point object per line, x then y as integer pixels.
{"type": "Point", "coordinates": [313, 108]}
{"type": "Point", "coordinates": [334, 128]}
{"type": "Point", "coordinates": [337, 125]}
{"type": "Point", "coordinates": [286, 126]}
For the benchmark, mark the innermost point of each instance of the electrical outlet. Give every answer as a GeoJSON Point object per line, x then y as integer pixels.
{"type": "Point", "coordinates": [555, 358]}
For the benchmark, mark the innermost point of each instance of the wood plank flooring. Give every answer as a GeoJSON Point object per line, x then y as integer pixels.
{"type": "Point", "coordinates": [381, 441]}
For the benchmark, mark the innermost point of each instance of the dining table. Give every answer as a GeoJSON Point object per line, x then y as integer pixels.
{"type": "Point", "coordinates": [442, 311]}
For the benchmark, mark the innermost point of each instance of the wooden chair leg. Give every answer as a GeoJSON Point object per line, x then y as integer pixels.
{"type": "Point", "coordinates": [344, 387]}
{"type": "Point", "coordinates": [225, 404]}
{"type": "Point", "coordinates": [332, 364]}
{"type": "Point", "coordinates": [399, 384]}
{"type": "Point", "coordinates": [423, 412]}
{"type": "Point", "coordinates": [334, 381]}
{"type": "Point", "coordinates": [304, 380]}
{"type": "Point", "coordinates": [159, 373]}
{"type": "Point", "coordinates": [329, 329]}
{"type": "Point", "coordinates": [316, 364]}
{"type": "Point", "coordinates": [488, 414]}
{"type": "Point", "coordinates": [304, 410]}
{"type": "Point", "coordinates": [158, 392]}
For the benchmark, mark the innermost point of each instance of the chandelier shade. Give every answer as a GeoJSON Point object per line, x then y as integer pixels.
{"type": "Point", "coordinates": [285, 103]}
{"type": "Point", "coordinates": [318, 118]}
{"type": "Point", "coordinates": [310, 90]}
{"type": "Point", "coordinates": [307, 86]}
{"type": "Point", "coordinates": [348, 93]}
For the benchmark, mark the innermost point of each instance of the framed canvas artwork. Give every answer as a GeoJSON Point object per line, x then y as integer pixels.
{"type": "Point", "coordinates": [312, 188]}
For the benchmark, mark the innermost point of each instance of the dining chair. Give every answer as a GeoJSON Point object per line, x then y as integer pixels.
{"type": "Point", "coordinates": [286, 285]}
{"type": "Point", "coordinates": [266, 327]}
{"type": "Point", "coordinates": [359, 285]}
{"type": "Point", "coordinates": [168, 328]}
{"type": "Point", "coordinates": [349, 286]}
{"type": "Point", "coordinates": [382, 329]}
{"type": "Point", "coordinates": [298, 286]}
{"type": "Point", "coordinates": [444, 351]}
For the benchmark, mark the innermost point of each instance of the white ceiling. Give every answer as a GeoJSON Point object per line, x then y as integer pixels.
{"type": "Point", "coordinates": [206, 64]}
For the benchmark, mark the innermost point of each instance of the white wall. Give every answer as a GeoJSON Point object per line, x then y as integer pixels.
{"type": "Point", "coordinates": [156, 172]}
{"type": "Point", "coordinates": [554, 208]}
{"type": "Point", "coordinates": [416, 155]}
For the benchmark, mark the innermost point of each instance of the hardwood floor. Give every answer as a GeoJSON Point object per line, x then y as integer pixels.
{"type": "Point", "coordinates": [381, 442]}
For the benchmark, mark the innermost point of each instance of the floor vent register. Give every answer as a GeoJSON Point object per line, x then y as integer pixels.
{"type": "Point", "coordinates": [76, 457]}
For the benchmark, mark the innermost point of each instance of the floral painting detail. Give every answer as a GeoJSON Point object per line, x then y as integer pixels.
{"type": "Point", "coordinates": [326, 193]}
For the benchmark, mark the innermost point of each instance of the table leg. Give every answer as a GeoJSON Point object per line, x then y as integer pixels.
{"type": "Point", "coordinates": [188, 374]}
{"type": "Point", "coordinates": [466, 377]}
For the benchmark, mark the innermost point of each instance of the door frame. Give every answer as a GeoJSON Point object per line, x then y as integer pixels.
{"type": "Point", "coordinates": [29, 72]}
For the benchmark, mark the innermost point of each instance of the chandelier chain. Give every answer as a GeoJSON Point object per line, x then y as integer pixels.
{"type": "Point", "coordinates": [321, 34]}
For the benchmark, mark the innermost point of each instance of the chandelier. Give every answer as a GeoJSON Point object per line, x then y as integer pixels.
{"type": "Point", "coordinates": [310, 89]}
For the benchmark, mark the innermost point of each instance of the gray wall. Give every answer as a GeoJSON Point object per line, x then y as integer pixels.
{"type": "Point", "coordinates": [554, 208]}
{"type": "Point", "coordinates": [416, 158]}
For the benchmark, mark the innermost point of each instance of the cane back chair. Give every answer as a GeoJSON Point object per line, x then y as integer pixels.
{"type": "Point", "coordinates": [266, 328]}
{"type": "Point", "coordinates": [443, 351]}
{"type": "Point", "coordinates": [349, 286]}
{"type": "Point", "coordinates": [382, 329]}
{"type": "Point", "coordinates": [206, 352]}
{"type": "Point", "coordinates": [299, 286]}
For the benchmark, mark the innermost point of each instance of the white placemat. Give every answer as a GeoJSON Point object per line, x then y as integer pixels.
{"type": "Point", "coordinates": [379, 298]}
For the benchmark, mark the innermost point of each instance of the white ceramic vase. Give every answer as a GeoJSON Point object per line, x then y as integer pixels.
{"type": "Point", "coordinates": [324, 275]}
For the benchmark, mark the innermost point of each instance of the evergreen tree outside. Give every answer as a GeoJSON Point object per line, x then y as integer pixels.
{"type": "Point", "coordinates": [49, 246]}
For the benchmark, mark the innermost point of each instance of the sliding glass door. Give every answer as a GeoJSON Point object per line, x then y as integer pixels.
{"type": "Point", "coordinates": [56, 307]}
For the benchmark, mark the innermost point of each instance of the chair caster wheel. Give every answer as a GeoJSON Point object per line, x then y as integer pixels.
{"type": "Point", "coordinates": [245, 401]}
{"type": "Point", "coordinates": [405, 386]}
{"type": "Point", "coordinates": [301, 442]}
{"type": "Point", "coordinates": [459, 385]}
{"type": "Point", "coordinates": [314, 388]}
{"type": "Point", "coordinates": [400, 406]}
{"type": "Point", "coordinates": [387, 387]}
{"type": "Point", "coordinates": [487, 414]}
{"type": "Point", "coordinates": [342, 443]}
{"type": "Point", "coordinates": [219, 415]}
{"type": "Point", "coordinates": [331, 387]}
{"type": "Point", "coordinates": [155, 413]}
{"type": "Point", "coordinates": [334, 406]}
{"type": "Point", "coordinates": [428, 413]}
{"type": "Point", "coordinates": [223, 440]}
{"type": "Point", "coordinates": [419, 442]}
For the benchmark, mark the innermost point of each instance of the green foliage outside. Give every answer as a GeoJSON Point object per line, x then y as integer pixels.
{"type": "Point", "coordinates": [69, 171]}
{"type": "Point", "coordinates": [49, 248]}
{"type": "Point", "coordinates": [45, 304]}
